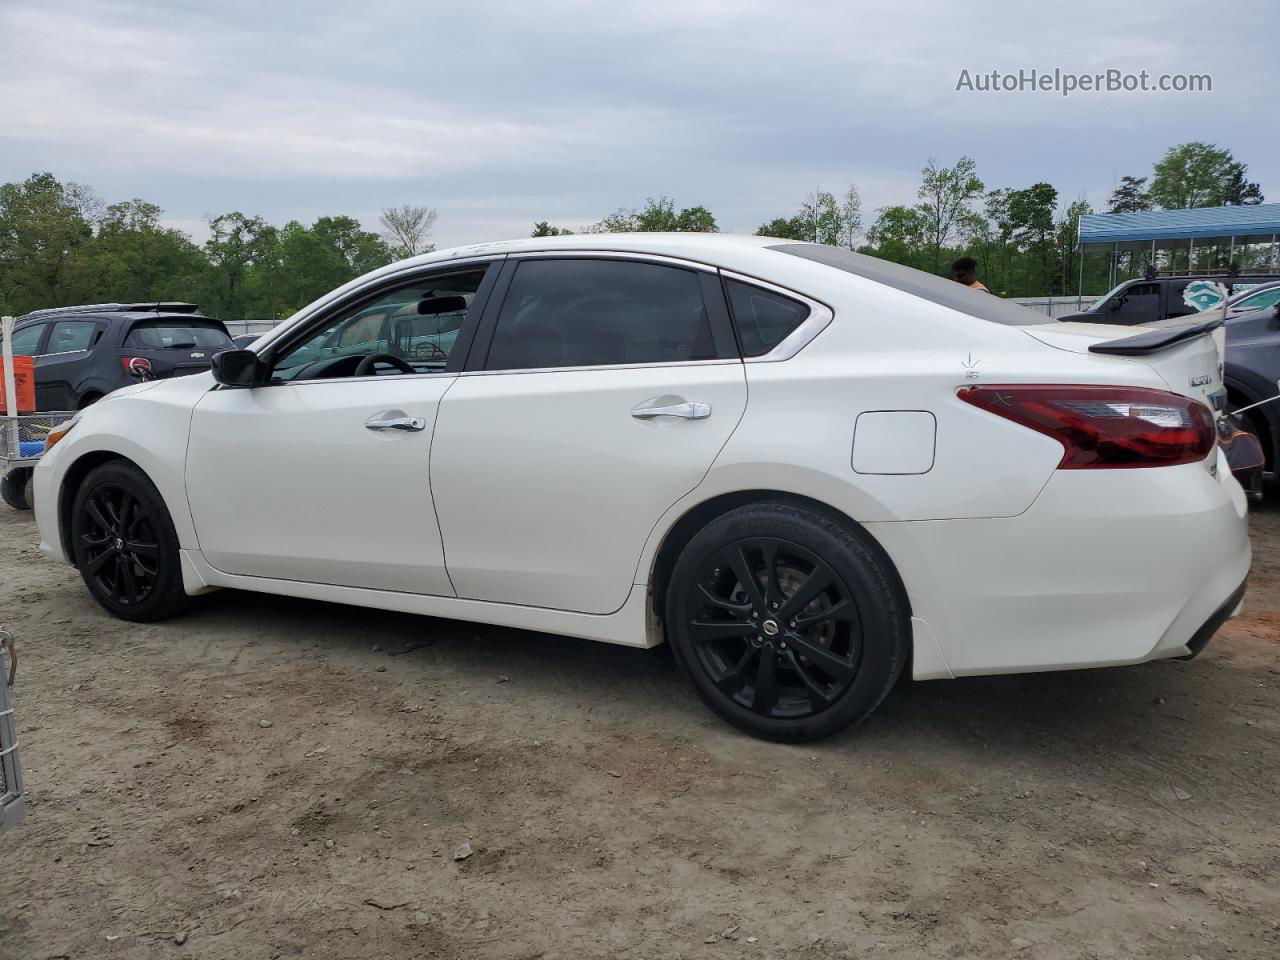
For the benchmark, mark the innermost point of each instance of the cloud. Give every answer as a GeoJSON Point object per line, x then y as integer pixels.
{"type": "Point", "coordinates": [499, 113]}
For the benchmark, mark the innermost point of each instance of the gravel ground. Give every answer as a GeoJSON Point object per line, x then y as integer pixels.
{"type": "Point", "coordinates": [274, 778]}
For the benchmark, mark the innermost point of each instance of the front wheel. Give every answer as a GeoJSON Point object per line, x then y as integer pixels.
{"type": "Point", "coordinates": [790, 626]}
{"type": "Point", "coordinates": [125, 545]}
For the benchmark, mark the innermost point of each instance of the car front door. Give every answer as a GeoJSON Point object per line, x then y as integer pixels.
{"type": "Point", "coordinates": [597, 394]}
{"type": "Point", "coordinates": [322, 475]}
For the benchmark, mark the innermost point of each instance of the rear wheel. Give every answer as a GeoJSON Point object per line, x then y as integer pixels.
{"type": "Point", "coordinates": [789, 625]}
{"type": "Point", "coordinates": [125, 545]}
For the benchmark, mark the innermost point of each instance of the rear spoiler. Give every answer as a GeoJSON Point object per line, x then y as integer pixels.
{"type": "Point", "coordinates": [1153, 341]}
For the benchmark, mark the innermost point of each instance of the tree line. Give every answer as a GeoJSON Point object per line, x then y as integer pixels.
{"type": "Point", "coordinates": [1023, 238]}
{"type": "Point", "coordinates": [60, 244]}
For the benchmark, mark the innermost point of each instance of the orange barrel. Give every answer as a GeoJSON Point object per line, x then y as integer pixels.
{"type": "Point", "coordinates": [24, 383]}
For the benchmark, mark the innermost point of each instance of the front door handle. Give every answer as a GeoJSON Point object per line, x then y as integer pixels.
{"type": "Point", "coordinates": [687, 411]}
{"type": "Point", "coordinates": [396, 423]}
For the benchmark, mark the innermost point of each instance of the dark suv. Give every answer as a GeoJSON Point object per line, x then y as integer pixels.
{"type": "Point", "coordinates": [83, 353]}
{"type": "Point", "coordinates": [1145, 301]}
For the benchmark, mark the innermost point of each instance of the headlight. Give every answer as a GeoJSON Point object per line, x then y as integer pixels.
{"type": "Point", "coordinates": [58, 432]}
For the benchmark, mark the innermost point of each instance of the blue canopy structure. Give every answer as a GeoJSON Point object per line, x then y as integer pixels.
{"type": "Point", "coordinates": [1200, 240]}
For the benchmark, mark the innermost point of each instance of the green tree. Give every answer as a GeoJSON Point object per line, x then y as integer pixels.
{"type": "Point", "coordinates": [1130, 197]}
{"type": "Point", "coordinates": [1239, 191]}
{"type": "Point", "coordinates": [945, 196]}
{"type": "Point", "coordinates": [821, 219]}
{"type": "Point", "coordinates": [658, 215]}
{"type": "Point", "coordinates": [785, 228]}
{"type": "Point", "coordinates": [544, 229]}
{"type": "Point", "coordinates": [1031, 226]}
{"type": "Point", "coordinates": [43, 230]}
{"type": "Point", "coordinates": [1066, 236]}
{"type": "Point", "coordinates": [236, 246]}
{"type": "Point", "coordinates": [900, 234]}
{"type": "Point", "coordinates": [1200, 175]}
{"type": "Point", "coordinates": [133, 257]}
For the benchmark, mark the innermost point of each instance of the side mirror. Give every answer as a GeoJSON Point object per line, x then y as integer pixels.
{"type": "Point", "coordinates": [239, 368]}
{"type": "Point", "coordinates": [1117, 303]}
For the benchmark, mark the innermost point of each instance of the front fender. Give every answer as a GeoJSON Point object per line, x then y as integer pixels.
{"type": "Point", "coordinates": [147, 424]}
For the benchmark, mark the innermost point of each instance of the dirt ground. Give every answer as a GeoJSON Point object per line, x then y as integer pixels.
{"type": "Point", "coordinates": [275, 778]}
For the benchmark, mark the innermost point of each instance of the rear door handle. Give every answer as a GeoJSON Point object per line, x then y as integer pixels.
{"type": "Point", "coordinates": [396, 423]}
{"type": "Point", "coordinates": [687, 411]}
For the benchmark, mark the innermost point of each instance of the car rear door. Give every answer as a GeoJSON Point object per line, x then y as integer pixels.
{"type": "Point", "coordinates": [598, 393]}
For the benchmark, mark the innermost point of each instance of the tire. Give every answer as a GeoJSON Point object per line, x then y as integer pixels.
{"type": "Point", "coordinates": [14, 488]}
{"type": "Point", "coordinates": [88, 400]}
{"type": "Point", "coordinates": [125, 546]}
{"type": "Point", "coordinates": [830, 653]}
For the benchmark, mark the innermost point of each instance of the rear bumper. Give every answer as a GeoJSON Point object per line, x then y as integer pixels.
{"type": "Point", "coordinates": [1200, 639]}
{"type": "Point", "coordinates": [1105, 568]}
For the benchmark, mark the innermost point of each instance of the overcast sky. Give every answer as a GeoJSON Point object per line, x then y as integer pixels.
{"type": "Point", "coordinates": [502, 113]}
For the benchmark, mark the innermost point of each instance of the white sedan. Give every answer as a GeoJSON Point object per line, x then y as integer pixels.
{"type": "Point", "coordinates": [807, 469]}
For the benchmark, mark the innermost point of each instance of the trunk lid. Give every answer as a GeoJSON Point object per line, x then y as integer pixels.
{"type": "Point", "coordinates": [1191, 367]}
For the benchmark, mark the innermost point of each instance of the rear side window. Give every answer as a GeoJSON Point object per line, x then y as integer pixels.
{"type": "Point", "coordinates": [763, 318]}
{"type": "Point", "coordinates": [176, 335]}
{"type": "Point", "coordinates": [68, 336]}
{"type": "Point", "coordinates": [586, 313]}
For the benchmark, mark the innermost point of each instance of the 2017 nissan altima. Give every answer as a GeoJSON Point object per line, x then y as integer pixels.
{"type": "Point", "coordinates": [806, 469]}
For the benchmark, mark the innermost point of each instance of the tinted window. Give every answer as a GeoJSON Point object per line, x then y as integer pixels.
{"type": "Point", "coordinates": [946, 293]}
{"type": "Point", "coordinates": [763, 318]}
{"type": "Point", "coordinates": [177, 335]}
{"type": "Point", "coordinates": [583, 313]}
{"type": "Point", "coordinates": [418, 323]}
{"type": "Point", "coordinates": [69, 335]}
{"type": "Point", "coordinates": [1176, 307]}
{"type": "Point", "coordinates": [1267, 298]}
{"type": "Point", "coordinates": [27, 340]}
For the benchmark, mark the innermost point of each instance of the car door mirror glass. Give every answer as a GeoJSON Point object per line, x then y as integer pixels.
{"type": "Point", "coordinates": [238, 368]}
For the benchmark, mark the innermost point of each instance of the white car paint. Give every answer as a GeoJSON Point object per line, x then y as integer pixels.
{"type": "Point", "coordinates": [535, 499]}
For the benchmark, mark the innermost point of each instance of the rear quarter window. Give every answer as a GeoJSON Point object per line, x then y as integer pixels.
{"type": "Point", "coordinates": [762, 317]}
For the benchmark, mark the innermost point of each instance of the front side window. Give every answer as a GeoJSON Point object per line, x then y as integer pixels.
{"type": "Point", "coordinates": [27, 340]}
{"type": "Point", "coordinates": [417, 324]}
{"type": "Point", "coordinates": [763, 318]}
{"type": "Point", "coordinates": [589, 312]}
{"type": "Point", "coordinates": [68, 336]}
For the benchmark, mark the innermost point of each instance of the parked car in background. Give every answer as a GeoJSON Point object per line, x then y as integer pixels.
{"type": "Point", "coordinates": [1261, 297]}
{"type": "Point", "coordinates": [741, 445]}
{"type": "Point", "coordinates": [245, 339]}
{"type": "Point", "coordinates": [1145, 301]}
{"type": "Point", "coordinates": [83, 353]}
{"type": "Point", "coordinates": [1250, 372]}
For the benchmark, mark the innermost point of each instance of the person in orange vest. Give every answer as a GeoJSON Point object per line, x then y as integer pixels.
{"type": "Point", "coordinates": [965, 270]}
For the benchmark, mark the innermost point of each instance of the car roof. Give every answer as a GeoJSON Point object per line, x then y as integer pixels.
{"type": "Point", "coordinates": [94, 313]}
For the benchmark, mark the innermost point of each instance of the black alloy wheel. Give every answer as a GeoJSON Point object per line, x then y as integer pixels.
{"type": "Point", "coordinates": [790, 625]}
{"type": "Point", "coordinates": [125, 545]}
{"type": "Point", "coordinates": [775, 627]}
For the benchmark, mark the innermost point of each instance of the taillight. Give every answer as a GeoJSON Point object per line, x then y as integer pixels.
{"type": "Point", "coordinates": [139, 367]}
{"type": "Point", "coordinates": [1105, 427]}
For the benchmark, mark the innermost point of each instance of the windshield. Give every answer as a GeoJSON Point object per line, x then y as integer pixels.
{"type": "Point", "coordinates": [177, 335]}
